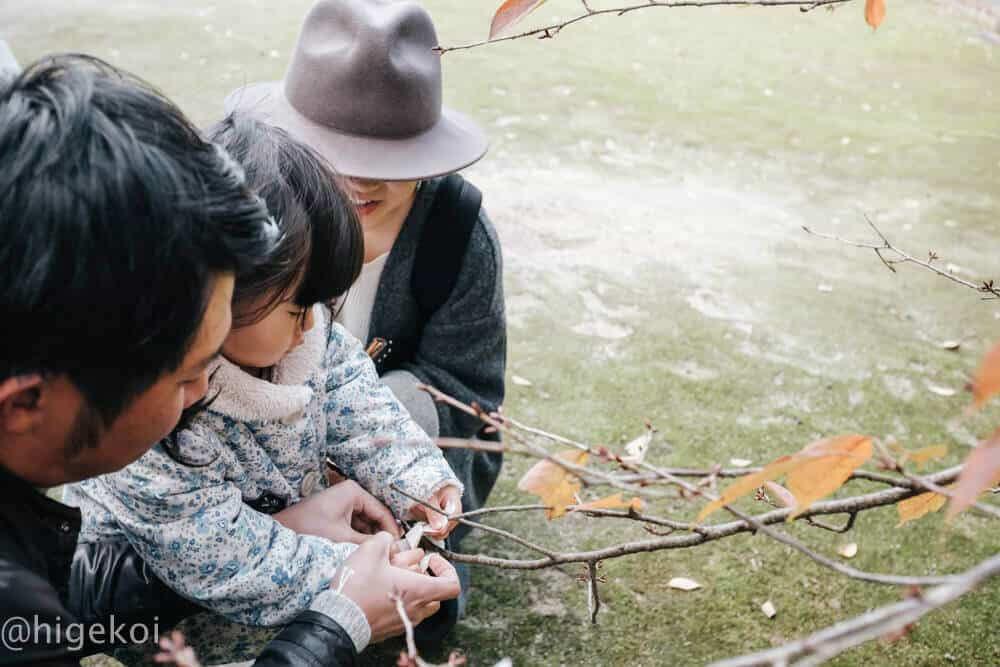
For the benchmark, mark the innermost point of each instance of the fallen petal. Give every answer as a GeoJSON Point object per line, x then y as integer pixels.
{"type": "Point", "coordinates": [684, 584]}
{"type": "Point", "coordinates": [520, 381]}
{"type": "Point", "coordinates": [849, 550]}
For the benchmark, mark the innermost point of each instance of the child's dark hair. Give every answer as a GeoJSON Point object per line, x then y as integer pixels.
{"type": "Point", "coordinates": [322, 248]}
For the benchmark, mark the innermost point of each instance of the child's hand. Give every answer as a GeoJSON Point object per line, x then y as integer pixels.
{"type": "Point", "coordinates": [449, 499]}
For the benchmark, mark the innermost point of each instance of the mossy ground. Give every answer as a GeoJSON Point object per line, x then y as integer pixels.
{"type": "Point", "coordinates": [649, 176]}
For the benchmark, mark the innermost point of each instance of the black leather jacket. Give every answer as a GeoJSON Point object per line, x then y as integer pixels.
{"type": "Point", "coordinates": [61, 601]}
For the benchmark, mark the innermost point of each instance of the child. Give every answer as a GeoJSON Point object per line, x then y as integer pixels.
{"type": "Point", "coordinates": [209, 508]}
{"type": "Point", "coordinates": [364, 89]}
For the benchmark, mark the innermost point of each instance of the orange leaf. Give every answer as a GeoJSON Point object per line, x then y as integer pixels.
{"type": "Point", "coordinates": [987, 381]}
{"type": "Point", "coordinates": [556, 486]}
{"type": "Point", "coordinates": [913, 508]}
{"type": "Point", "coordinates": [826, 465]}
{"type": "Point", "coordinates": [611, 502]}
{"type": "Point", "coordinates": [819, 469]}
{"type": "Point", "coordinates": [922, 456]}
{"type": "Point", "coordinates": [510, 13]}
{"type": "Point", "coordinates": [979, 472]}
{"type": "Point", "coordinates": [874, 12]}
{"type": "Point", "coordinates": [745, 485]}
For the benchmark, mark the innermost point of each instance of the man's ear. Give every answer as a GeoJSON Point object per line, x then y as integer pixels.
{"type": "Point", "coordinates": [20, 399]}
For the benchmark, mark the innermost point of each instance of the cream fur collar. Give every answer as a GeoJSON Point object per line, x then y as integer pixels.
{"type": "Point", "coordinates": [246, 398]}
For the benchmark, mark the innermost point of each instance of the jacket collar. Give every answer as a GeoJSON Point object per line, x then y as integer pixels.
{"type": "Point", "coordinates": [244, 397]}
{"type": "Point", "coordinates": [399, 264]}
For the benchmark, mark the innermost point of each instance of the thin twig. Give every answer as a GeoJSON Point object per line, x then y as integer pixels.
{"type": "Point", "coordinates": [551, 30]}
{"type": "Point", "coordinates": [489, 529]}
{"type": "Point", "coordinates": [986, 287]}
{"type": "Point", "coordinates": [829, 642]}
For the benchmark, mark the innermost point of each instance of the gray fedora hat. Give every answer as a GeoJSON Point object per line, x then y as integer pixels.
{"type": "Point", "coordinates": [364, 89]}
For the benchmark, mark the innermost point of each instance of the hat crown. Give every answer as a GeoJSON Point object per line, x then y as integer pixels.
{"type": "Point", "coordinates": [367, 68]}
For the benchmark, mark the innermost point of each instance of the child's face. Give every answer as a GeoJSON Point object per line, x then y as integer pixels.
{"type": "Point", "coordinates": [380, 203]}
{"type": "Point", "coordinates": [265, 342]}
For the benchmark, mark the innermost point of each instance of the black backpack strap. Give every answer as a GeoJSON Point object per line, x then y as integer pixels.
{"type": "Point", "coordinates": [443, 242]}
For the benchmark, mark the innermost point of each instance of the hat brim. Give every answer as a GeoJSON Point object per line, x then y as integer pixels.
{"type": "Point", "coordinates": [454, 143]}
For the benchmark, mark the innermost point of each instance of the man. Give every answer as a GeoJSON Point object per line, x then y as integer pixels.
{"type": "Point", "coordinates": [121, 231]}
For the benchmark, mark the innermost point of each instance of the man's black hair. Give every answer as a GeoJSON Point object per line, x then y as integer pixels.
{"type": "Point", "coordinates": [322, 246]}
{"type": "Point", "coordinates": [115, 217]}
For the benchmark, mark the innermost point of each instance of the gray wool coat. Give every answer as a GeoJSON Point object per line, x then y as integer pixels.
{"type": "Point", "coordinates": [460, 349]}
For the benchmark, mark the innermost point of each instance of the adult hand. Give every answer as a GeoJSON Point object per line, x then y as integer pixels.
{"type": "Point", "coordinates": [449, 501]}
{"type": "Point", "coordinates": [343, 513]}
{"type": "Point", "coordinates": [374, 580]}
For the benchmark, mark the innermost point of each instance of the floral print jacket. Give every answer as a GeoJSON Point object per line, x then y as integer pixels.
{"type": "Point", "coordinates": [262, 445]}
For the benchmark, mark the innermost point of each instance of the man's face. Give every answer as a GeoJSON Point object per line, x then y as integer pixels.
{"type": "Point", "coordinates": [154, 413]}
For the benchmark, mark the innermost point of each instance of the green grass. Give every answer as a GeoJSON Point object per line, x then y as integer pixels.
{"type": "Point", "coordinates": [648, 176]}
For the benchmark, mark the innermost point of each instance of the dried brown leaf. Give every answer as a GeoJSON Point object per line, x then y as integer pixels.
{"type": "Point", "coordinates": [987, 381]}
{"type": "Point", "coordinates": [913, 508]}
{"type": "Point", "coordinates": [556, 486]}
{"type": "Point", "coordinates": [510, 13]}
{"type": "Point", "coordinates": [979, 472]}
{"type": "Point", "coordinates": [874, 12]}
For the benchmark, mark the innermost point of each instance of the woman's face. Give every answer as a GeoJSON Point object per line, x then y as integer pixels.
{"type": "Point", "coordinates": [265, 342]}
{"type": "Point", "coordinates": [380, 203]}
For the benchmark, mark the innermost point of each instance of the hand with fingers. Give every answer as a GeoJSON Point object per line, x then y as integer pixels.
{"type": "Point", "coordinates": [449, 500]}
{"type": "Point", "coordinates": [376, 577]}
{"type": "Point", "coordinates": [343, 513]}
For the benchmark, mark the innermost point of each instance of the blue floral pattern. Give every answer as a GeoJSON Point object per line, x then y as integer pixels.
{"type": "Point", "coordinates": [193, 526]}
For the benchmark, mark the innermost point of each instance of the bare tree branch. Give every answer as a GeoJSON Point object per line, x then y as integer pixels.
{"type": "Point", "coordinates": [986, 287]}
{"type": "Point", "coordinates": [553, 29]}
{"type": "Point", "coordinates": [829, 642]}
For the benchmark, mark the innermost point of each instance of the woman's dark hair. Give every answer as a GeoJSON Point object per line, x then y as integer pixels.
{"type": "Point", "coordinates": [321, 249]}
{"type": "Point", "coordinates": [115, 218]}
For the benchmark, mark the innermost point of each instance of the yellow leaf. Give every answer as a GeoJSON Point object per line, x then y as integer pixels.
{"type": "Point", "coordinates": [979, 472]}
{"type": "Point", "coordinates": [819, 469]}
{"type": "Point", "coordinates": [826, 465]}
{"type": "Point", "coordinates": [913, 508]}
{"type": "Point", "coordinates": [922, 456]}
{"type": "Point", "coordinates": [554, 484]}
{"type": "Point", "coordinates": [987, 380]}
{"type": "Point", "coordinates": [745, 485]}
{"type": "Point", "coordinates": [874, 12]}
{"type": "Point", "coordinates": [616, 501]}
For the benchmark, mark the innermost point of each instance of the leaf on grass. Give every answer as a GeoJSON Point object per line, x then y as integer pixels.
{"type": "Point", "coordinates": [849, 550]}
{"type": "Point", "coordinates": [520, 381]}
{"type": "Point", "coordinates": [556, 486]}
{"type": "Point", "coordinates": [768, 609]}
{"type": "Point", "coordinates": [510, 13]}
{"type": "Point", "coordinates": [874, 12]}
{"type": "Point", "coordinates": [816, 471]}
{"type": "Point", "coordinates": [979, 472]}
{"type": "Point", "coordinates": [617, 501]}
{"type": "Point", "coordinates": [987, 380]}
{"type": "Point", "coordinates": [913, 508]}
{"type": "Point", "coordinates": [784, 496]}
{"type": "Point", "coordinates": [827, 465]}
{"type": "Point", "coordinates": [922, 456]}
{"type": "Point", "coordinates": [684, 584]}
